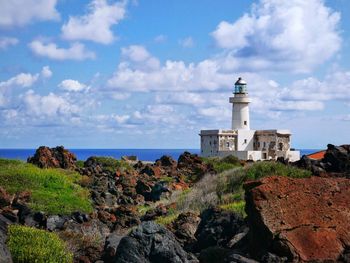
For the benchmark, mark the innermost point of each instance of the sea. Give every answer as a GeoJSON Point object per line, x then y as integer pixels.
{"type": "Point", "coordinates": [142, 154]}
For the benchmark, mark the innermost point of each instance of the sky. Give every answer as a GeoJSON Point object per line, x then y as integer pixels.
{"type": "Point", "coordinates": [152, 74]}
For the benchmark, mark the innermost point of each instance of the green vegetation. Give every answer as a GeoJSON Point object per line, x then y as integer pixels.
{"type": "Point", "coordinates": [263, 169]}
{"type": "Point", "coordinates": [143, 209]}
{"type": "Point", "coordinates": [54, 191]}
{"type": "Point", "coordinates": [236, 207]}
{"type": "Point", "coordinates": [223, 164]}
{"type": "Point", "coordinates": [166, 220]}
{"type": "Point", "coordinates": [79, 164]}
{"type": "Point", "coordinates": [31, 245]}
{"type": "Point", "coordinates": [111, 164]}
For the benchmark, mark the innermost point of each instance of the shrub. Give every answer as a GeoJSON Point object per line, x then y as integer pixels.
{"type": "Point", "coordinates": [223, 164]}
{"type": "Point", "coordinates": [79, 164]}
{"type": "Point", "coordinates": [263, 169]}
{"type": "Point", "coordinates": [111, 164]}
{"type": "Point", "coordinates": [29, 245]}
{"type": "Point", "coordinates": [231, 181]}
{"type": "Point", "coordinates": [54, 191]}
{"type": "Point", "coordinates": [236, 207]}
{"type": "Point", "coordinates": [166, 220]}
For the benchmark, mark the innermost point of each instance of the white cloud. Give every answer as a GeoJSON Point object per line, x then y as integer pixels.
{"type": "Point", "coordinates": [5, 42]}
{"type": "Point", "coordinates": [21, 80]}
{"type": "Point", "coordinates": [96, 25]}
{"type": "Point", "coordinates": [139, 57]}
{"type": "Point", "coordinates": [189, 98]}
{"type": "Point", "coordinates": [160, 39]}
{"type": "Point", "coordinates": [140, 71]}
{"type": "Point", "coordinates": [120, 119]}
{"type": "Point", "coordinates": [280, 35]}
{"type": "Point", "coordinates": [72, 85]}
{"type": "Point", "coordinates": [51, 105]}
{"type": "Point", "coordinates": [46, 72]}
{"type": "Point", "coordinates": [120, 95]}
{"type": "Point", "coordinates": [21, 12]}
{"type": "Point", "coordinates": [76, 51]}
{"type": "Point", "coordinates": [187, 42]}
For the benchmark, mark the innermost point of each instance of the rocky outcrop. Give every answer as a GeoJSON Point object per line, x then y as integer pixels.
{"type": "Point", "coordinates": [5, 255]}
{"type": "Point", "coordinates": [217, 227]}
{"type": "Point", "coordinates": [184, 228]}
{"type": "Point", "coordinates": [304, 220]}
{"type": "Point", "coordinates": [336, 162]}
{"type": "Point", "coordinates": [193, 166]}
{"type": "Point", "coordinates": [85, 240]}
{"type": "Point", "coordinates": [150, 243]}
{"type": "Point", "coordinates": [57, 157]}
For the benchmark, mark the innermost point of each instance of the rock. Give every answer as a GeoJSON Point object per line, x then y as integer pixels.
{"type": "Point", "coordinates": [55, 222]}
{"type": "Point", "coordinates": [193, 166]}
{"type": "Point", "coordinates": [111, 246]}
{"type": "Point", "coordinates": [335, 163]}
{"type": "Point", "coordinates": [337, 159]}
{"type": "Point", "coordinates": [301, 219]}
{"type": "Point", "coordinates": [151, 170]}
{"type": "Point", "coordinates": [160, 210]}
{"type": "Point", "coordinates": [217, 228]}
{"type": "Point", "coordinates": [57, 157]}
{"type": "Point", "coordinates": [5, 255]}
{"type": "Point", "coordinates": [166, 161]}
{"type": "Point", "coordinates": [126, 216]}
{"type": "Point", "coordinates": [222, 255]}
{"type": "Point", "coordinates": [85, 240]}
{"type": "Point", "coordinates": [150, 243]}
{"type": "Point", "coordinates": [5, 198]}
{"type": "Point", "coordinates": [184, 228]}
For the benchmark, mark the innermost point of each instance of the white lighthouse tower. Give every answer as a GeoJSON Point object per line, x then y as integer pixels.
{"type": "Point", "coordinates": [240, 108]}
{"type": "Point", "coordinates": [241, 141]}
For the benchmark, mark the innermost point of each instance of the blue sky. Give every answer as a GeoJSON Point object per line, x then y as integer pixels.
{"type": "Point", "coordinates": [151, 74]}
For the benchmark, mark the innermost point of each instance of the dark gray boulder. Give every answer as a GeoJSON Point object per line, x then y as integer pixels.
{"type": "Point", "coordinates": [5, 255]}
{"type": "Point", "coordinates": [150, 243]}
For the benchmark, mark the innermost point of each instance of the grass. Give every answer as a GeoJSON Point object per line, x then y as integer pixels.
{"type": "Point", "coordinates": [31, 245]}
{"type": "Point", "coordinates": [111, 164]}
{"type": "Point", "coordinates": [236, 207]}
{"type": "Point", "coordinates": [263, 169]}
{"type": "Point", "coordinates": [166, 220]}
{"type": "Point", "coordinates": [223, 164]}
{"type": "Point", "coordinates": [54, 191]}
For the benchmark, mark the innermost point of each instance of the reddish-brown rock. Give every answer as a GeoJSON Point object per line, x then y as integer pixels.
{"type": "Point", "coordinates": [57, 157]}
{"type": "Point", "coordinates": [302, 219]}
{"type": "Point", "coordinates": [5, 198]}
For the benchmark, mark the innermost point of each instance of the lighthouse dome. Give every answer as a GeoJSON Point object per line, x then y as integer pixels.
{"type": "Point", "coordinates": [240, 81]}
{"type": "Point", "coordinates": [240, 86]}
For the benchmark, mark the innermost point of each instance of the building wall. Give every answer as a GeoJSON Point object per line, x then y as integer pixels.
{"type": "Point", "coordinates": [209, 145]}
{"type": "Point", "coordinates": [245, 140]}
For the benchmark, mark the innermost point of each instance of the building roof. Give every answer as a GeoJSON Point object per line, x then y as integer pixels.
{"type": "Point", "coordinates": [317, 155]}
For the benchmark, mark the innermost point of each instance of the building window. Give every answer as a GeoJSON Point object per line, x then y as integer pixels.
{"type": "Point", "coordinates": [245, 122]}
{"type": "Point", "coordinates": [227, 144]}
{"type": "Point", "coordinates": [264, 145]}
{"type": "Point", "coordinates": [245, 140]}
{"type": "Point", "coordinates": [280, 146]}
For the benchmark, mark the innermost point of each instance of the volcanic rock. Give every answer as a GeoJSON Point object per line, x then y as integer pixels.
{"type": "Point", "coordinates": [305, 220]}
{"type": "Point", "coordinates": [335, 163]}
{"type": "Point", "coordinates": [193, 166]}
{"type": "Point", "coordinates": [150, 243]}
{"type": "Point", "coordinates": [5, 255]}
{"type": "Point", "coordinates": [184, 228]}
{"type": "Point", "coordinates": [217, 228]}
{"type": "Point", "coordinates": [5, 198]}
{"type": "Point", "coordinates": [57, 157]}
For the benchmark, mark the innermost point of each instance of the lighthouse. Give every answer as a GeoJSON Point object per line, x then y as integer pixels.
{"type": "Point", "coordinates": [240, 106]}
{"type": "Point", "coordinates": [241, 141]}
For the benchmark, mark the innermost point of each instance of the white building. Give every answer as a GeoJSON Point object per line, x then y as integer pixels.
{"type": "Point", "coordinates": [241, 141]}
